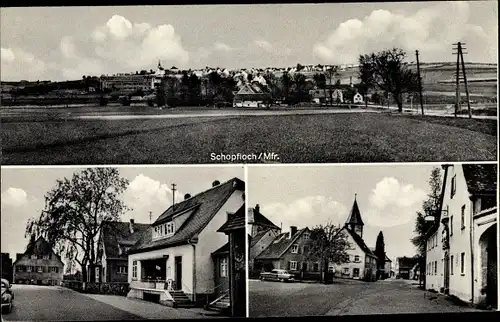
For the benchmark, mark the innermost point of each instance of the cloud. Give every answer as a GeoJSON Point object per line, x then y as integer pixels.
{"type": "Point", "coordinates": [18, 64]}
{"type": "Point", "coordinates": [428, 30]}
{"type": "Point", "coordinates": [145, 194]}
{"type": "Point", "coordinates": [393, 203]}
{"type": "Point", "coordinates": [14, 197]}
{"type": "Point", "coordinates": [67, 47]}
{"type": "Point", "coordinates": [313, 210]}
{"type": "Point", "coordinates": [264, 44]}
{"type": "Point", "coordinates": [223, 47]}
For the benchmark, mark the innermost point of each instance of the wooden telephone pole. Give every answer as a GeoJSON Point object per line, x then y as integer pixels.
{"type": "Point", "coordinates": [150, 217]}
{"type": "Point", "coordinates": [173, 195]}
{"type": "Point", "coordinates": [419, 83]}
{"type": "Point", "coordinates": [458, 50]}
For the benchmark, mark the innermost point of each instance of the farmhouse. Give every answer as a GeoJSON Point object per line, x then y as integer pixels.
{"type": "Point", "coordinates": [38, 265]}
{"type": "Point", "coordinates": [461, 253]}
{"type": "Point", "coordinates": [114, 243]}
{"type": "Point", "coordinates": [252, 95]}
{"type": "Point", "coordinates": [172, 261]}
{"type": "Point", "coordinates": [362, 262]}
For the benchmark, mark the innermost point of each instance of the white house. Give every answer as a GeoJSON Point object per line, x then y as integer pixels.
{"type": "Point", "coordinates": [362, 263]}
{"type": "Point", "coordinates": [252, 94]}
{"type": "Point", "coordinates": [172, 262]}
{"type": "Point", "coordinates": [461, 249]}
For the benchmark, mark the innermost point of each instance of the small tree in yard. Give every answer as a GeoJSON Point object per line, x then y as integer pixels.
{"type": "Point", "coordinates": [380, 253]}
{"type": "Point", "coordinates": [75, 211]}
{"type": "Point", "coordinates": [387, 71]}
{"type": "Point", "coordinates": [327, 245]}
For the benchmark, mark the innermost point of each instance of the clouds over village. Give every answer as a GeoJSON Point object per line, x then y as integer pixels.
{"type": "Point", "coordinates": [428, 30]}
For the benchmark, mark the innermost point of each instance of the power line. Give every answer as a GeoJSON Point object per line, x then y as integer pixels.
{"type": "Point", "coordinates": [458, 49]}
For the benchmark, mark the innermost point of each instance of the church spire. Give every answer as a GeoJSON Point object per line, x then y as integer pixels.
{"type": "Point", "coordinates": [159, 64]}
{"type": "Point", "coordinates": [354, 221]}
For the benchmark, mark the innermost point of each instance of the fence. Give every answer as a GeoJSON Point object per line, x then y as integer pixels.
{"type": "Point", "coordinates": [117, 288]}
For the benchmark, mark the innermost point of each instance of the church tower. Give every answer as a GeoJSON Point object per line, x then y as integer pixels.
{"type": "Point", "coordinates": [354, 221]}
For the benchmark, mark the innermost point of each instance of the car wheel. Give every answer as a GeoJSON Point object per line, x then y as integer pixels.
{"type": "Point", "coordinates": [282, 280]}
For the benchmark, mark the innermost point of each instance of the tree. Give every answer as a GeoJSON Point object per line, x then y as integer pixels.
{"type": "Point", "coordinates": [327, 245]}
{"type": "Point", "coordinates": [380, 253]}
{"type": "Point", "coordinates": [75, 211]}
{"type": "Point", "coordinates": [194, 88]}
{"type": "Point", "coordinates": [388, 71]}
{"type": "Point", "coordinates": [184, 90]}
{"type": "Point", "coordinates": [320, 80]}
{"type": "Point", "coordinates": [286, 83]}
{"type": "Point", "coordinates": [331, 72]}
{"type": "Point", "coordinates": [300, 88]}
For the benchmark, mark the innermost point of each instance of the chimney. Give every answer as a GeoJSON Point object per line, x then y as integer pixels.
{"type": "Point", "coordinates": [215, 183]}
{"type": "Point", "coordinates": [257, 208]}
{"type": "Point", "coordinates": [293, 231]}
{"type": "Point", "coordinates": [187, 196]}
{"type": "Point", "coordinates": [131, 226]}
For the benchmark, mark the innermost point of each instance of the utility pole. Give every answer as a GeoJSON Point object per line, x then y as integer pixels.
{"type": "Point", "coordinates": [458, 49]}
{"type": "Point", "coordinates": [419, 83]}
{"type": "Point", "coordinates": [173, 195]}
{"type": "Point", "coordinates": [150, 217]}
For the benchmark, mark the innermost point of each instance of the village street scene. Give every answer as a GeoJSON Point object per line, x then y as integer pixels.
{"type": "Point", "coordinates": [96, 244]}
{"type": "Point", "coordinates": [373, 239]}
{"type": "Point", "coordinates": [380, 82]}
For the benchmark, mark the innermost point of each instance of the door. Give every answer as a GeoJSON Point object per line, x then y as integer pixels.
{"type": "Point", "coordinates": [178, 272]}
{"type": "Point", "coordinates": [492, 272]}
{"type": "Point", "coordinates": [446, 273]}
{"type": "Point", "coordinates": [355, 273]}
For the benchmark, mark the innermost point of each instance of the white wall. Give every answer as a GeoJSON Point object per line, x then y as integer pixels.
{"type": "Point", "coordinates": [209, 240]}
{"type": "Point", "coordinates": [435, 253]}
{"type": "Point", "coordinates": [460, 284]}
{"type": "Point", "coordinates": [353, 251]}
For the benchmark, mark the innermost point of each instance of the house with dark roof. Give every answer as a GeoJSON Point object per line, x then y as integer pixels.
{"type": "Point", "coordinates": [115, 240]}
{"type": "Point", "coordinates": [461, 252]}
{"type": "Point", "coordinates": [39, 264]}
{"type": "Point", "coordinates": [262, 233]}
{"type": "Point", "coordinates": [362, 263]}
{"type": "Point", "coordinates": [253, 94]}
{"type": "Point", "coordinates": [288, 251]}
{"type": "Point", "coordinates": [172, 261]}
{"type": "Point", "coordinates": [405, 266]}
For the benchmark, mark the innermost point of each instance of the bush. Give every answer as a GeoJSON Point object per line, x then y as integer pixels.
{"type": "Point", "coordinates": [108, 288]}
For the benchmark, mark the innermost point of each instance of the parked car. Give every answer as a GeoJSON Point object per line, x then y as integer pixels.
{"type": "Point", "coordinates": [7, 296]}
{"type": "Point", "coordinates": [280, 275]}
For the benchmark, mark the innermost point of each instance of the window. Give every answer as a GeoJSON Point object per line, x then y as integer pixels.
{"type": "Point", "coordinates": [453, 186]}
{"type": "Point", "coordinates": [223, 267]}
{"type": "Point", "coordinates": [355, 272]}
{"type": "Point", "coordinates": [462, 217]}
{"type": "Point", "coordinates": [28, 269]}
{"type": "Point", "coordinates": [345, 271]}
{"type": "Point", "coordinates": [164, 230]}
{"type": "Point", "coordinates": [54, 269]}
{"type": "Point", "coordinates": [462, 263]}
{"type": "Point", "coordinates": [306, 235]}
{"type": "Point", "coordinates": [451, 265]}
{"type": "Point", "coordinates": [451, 225]}
{"type": "Point", "coordinates": [435, 268]}
{"type": "Point", "coordinates": [293, 265]}
{"type": "Point", "coordinates": [331, 268]}
{"type": "Point", "coordinates": [442, 265]}
{"type": "Point", "coordinates": [295, 249]}
{"type": "Point", "coordinates": [45, 256]}
{"type": "Point", "coordinates": [134, 269]}
{"type": "Point", "coordinates": [356, 259]}
{"type": "Point", "coordinates": [122, 269]}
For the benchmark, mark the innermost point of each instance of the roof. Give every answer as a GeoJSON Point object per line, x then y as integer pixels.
{"type": "Point", "coordinates": [406, 262]}
{"type": "Point", "coordinates": [359, 241]}
{"type": "Point", "coordinates": [40, 247]}
{"type": "Point", "coordinates": [355, 215]}
{"type": "Point", "coordinates": [235, 221]}
{"type": "Point", "coordinates": [255, 239]}
{"type": "Point", "coordinates": [222, 251]}
{"type": "Point", "coordinates": [255, 217]}
{"type": "Point", "coordinates": [480, 178]}
{"type": "Point", "coordinates": [280, 245]}
{"type": "Point", "coordinates": [201, 207]}
{"type": "Point", "coordinates": [387, 258]}
{"type": "Point", "coordinates": [118, 233]}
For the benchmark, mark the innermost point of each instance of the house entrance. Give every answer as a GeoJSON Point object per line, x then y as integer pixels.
{"type": "Point", "coordinates": [178, 272]}
{"type": "Point", "coordinates": [492, 277]}
{"type": "Point", "coordinates": [446, 272]}
{"type": "Point", "coordinates": [355, 273]}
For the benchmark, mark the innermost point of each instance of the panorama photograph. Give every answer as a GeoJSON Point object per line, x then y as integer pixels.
{"type": "Point", "coordinates": [268, 83]}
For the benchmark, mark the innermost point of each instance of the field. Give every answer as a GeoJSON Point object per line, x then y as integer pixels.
{"type": "Point", "coordinates": [343, 137]}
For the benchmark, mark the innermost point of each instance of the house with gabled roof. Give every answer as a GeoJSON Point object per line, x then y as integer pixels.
{"type": "Point", "coordinates": [362, 262]}
{"type": "Point", "coordinates": [252, 94]}
{"type": "Point", "coordinates": [39, 264]}
{"type": "Point", "coordinates": [262, 233]}
{"type": "Point", "coordinates": [288, 251]}
{"type": "Point", "coordinates": [115, 240]}
{"type": "Point", "coordinates": [172, 261]}
{"type": "Point", "coordinates": [461, 252]}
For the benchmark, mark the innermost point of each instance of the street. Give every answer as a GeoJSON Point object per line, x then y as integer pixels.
{"type": "Point", "coordinates": [345, 297]}
{"type": "Point", "coordinates": [52, 303]}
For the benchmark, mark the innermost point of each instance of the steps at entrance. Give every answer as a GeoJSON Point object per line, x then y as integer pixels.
{"type": "Point", "coordinates": [222, 306]}
{"type": "Point", "coordinates": [181, 299]}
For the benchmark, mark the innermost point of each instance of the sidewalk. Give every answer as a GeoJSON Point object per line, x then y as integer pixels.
{"type": "Point", "coordinates": [149, 310]}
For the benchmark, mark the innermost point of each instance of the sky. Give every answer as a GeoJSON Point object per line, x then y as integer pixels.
{"type": "Point", "coordinates": [149, 190]}
{"type": "Point", "coordinates": [60, 43]}
{"type": "Point", "coordinates": [388, 197]}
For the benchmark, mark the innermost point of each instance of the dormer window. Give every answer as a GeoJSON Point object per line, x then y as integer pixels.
{"type": "Point", "coordinates": [295, 249]}
{"type": "Point", "coordinates": [306, 235]}
{"type": "Point", "coordinates": [164, 230]}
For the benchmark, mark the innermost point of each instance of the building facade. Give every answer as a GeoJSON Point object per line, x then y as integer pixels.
{"type": "Point", "coordinates": [461, 247]}
{"type": "Point", "coordinates": [38, 265]}
{"type": "Point", "coordinates": [173, 258]}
